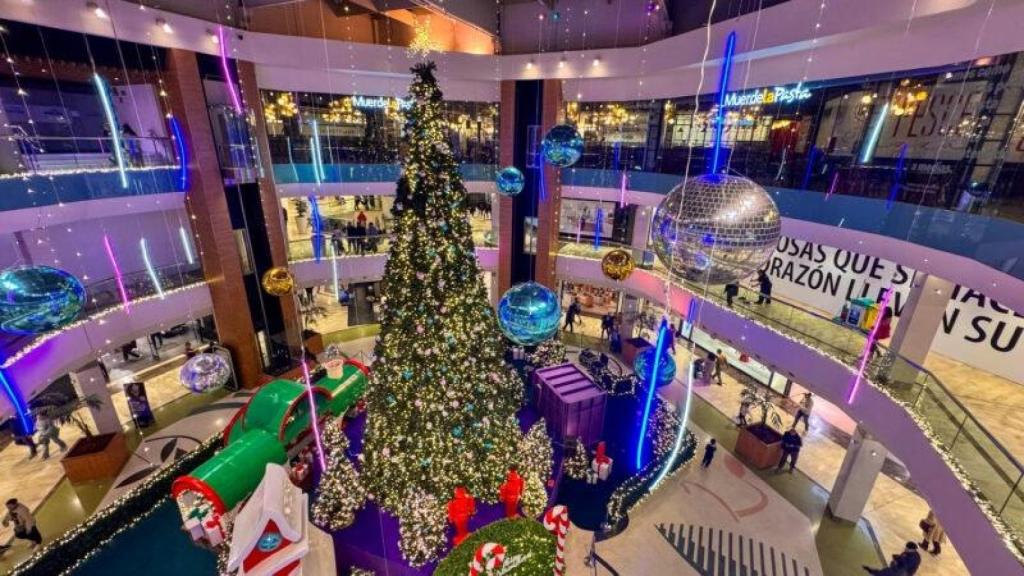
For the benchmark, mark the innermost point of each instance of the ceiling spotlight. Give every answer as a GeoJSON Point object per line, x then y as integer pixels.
{"type": "Point", "coordinates": [97, 10]}
{"type": "Point", "coordinates": [596, 62]}
{"type": "Point", "coordinates": [529, 65]}
{"type": "Point", "coordinates": [164, 25]}
{"type": "Point", "coordinates": [561, 63]}
{"type": "Point", "coordinates": [213, 36]}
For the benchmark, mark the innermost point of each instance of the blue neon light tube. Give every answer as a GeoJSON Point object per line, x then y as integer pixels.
{"type": "Point", "coordinates": [652, 384]}
{"type": "Point", "coordinates": [115, 128]}
{"type": "Point", "coordinates": [723, 87]}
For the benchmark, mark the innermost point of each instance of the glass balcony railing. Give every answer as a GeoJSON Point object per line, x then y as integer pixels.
{"type": "Point", "coordinates": [105, 294]}
{"type": "Point", "coordinates": [996, 474]}
{"type": "Point", "coordinates": [303, 173]}
{"type": "Point", "coordinates": [42, 171]}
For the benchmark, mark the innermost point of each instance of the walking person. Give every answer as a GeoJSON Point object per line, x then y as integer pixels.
{"type": "Point", "coordinates": [24, 523]}
{"type": "Point", "coordinates": [883, 332]}
{"type": "Point", "coordinates": [709, 453]}
{"type": "Point", "coordinates": [791, 444]}
{"type": "Point", "coordinates": [570, 315]}
{"type": "Point", "coordinates": [933, 532]}
{"type": "Point", "coordinates": [804, 411]}
{"type": "Point", "coordinates": [615, 340]}
{"type": "Point", "coordinates": [606, 325]}
{"type": "Point", "coordinates": [732, 290]}
{"type": "Point", "coordinates": [721, 363]}
{"type": "Point", "coordinates": [670, 341]}
{"type": "Point", "coordinates": [25, 439]}
{"type": "Point", "coordinates": [741, 418]}
{"type": "Point", "coordinates": [49, 432]}
{"type": "Point", "coordinates": [764, 284]}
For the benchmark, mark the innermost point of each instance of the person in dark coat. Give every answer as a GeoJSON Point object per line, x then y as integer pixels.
{"type": "Point", "coordinates": [791, 444]}
{"type": "Point", "coordinates": [709, 453]}
{"type": "Point", "coordinates": [905, 563]}
{"type": "Point", "coordinates": [570, 315]}
{"type": "Point", "coordinates": [764, 284]}
{"type": "Point", "coordinates": [732, 290]}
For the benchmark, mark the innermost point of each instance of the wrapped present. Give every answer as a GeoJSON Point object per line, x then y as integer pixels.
{"type": "Point", "coordinates": [194, 528]}
{"type": "Point", "coordinates": [591, 477]}
{"type": "Point", "coordinates": [213, 529]}
{"type": "Point", "coordinates": [603, 469]}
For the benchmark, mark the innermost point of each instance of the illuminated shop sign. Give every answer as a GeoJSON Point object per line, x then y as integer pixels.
{"type": "Point", "coordinates": [380, 102]}
{"type": "Point", "coordinates": [777, 95]}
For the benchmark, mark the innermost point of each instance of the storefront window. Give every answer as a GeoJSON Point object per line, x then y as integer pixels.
{"type": "Point", "coordinates": [614, 133]}
{"type": "Point", "coordinates": [367, 129]}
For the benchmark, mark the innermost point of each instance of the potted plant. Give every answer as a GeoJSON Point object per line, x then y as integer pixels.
{"type": "Point", "coordinates": [93, 456]}
{"type": "Point", "coordinates": [760, 444]}
{"type": "Point", "coordinates": [301, 209]}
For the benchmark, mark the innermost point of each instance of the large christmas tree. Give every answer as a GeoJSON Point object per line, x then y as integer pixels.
{"type": "Point", "coordinates": [441, 401]}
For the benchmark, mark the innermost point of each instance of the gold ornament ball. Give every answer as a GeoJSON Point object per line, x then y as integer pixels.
{"type": "Point", "coordinates": [617, 264]}
{"type": "Point", "coordinates": [278, 281]}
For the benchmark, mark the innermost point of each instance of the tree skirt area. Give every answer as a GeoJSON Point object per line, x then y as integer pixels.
{"type": "Point", "coordinates": [371, 541]}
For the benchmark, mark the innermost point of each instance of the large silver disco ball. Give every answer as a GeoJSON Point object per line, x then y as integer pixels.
{"type": "Point", "coordinates": [716, 228]}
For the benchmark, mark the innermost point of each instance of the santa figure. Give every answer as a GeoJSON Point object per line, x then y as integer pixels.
{"type": "Point", "coordinates": [511, 491]}
{"type": "Point", "coordinates": [460, 509]}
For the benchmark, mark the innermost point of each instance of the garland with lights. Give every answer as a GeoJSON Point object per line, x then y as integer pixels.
{"type": "Point", "coordinates": [361, 572]}
{"type": "Point", "coordinates": [340, 493]}
{"type": "Point", "coordinates": [441, 402]}
{"type": "Point", "coordinates": [635, 490]}
{"type": "Point", "coordinates": [577, 464]}
{"type": "Point", "coordinates": [535, 452]}
{"type": "Point", "coordinates": [422, 523]}
{"type": "Point", "coordinates": [662, 430]}
{"type": "Point", "coordinates": [548, 353]}
{"type": "Point", "coordinates": [66, 554]}
{"type": "Point", "coordinates": [529, 548]}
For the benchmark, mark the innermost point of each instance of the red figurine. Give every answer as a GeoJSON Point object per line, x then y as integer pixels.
{"type": "Point", "coordinates": [600, 457]}
{"type": "Point", "coordinates": [460, 509]}
{"type": "Point", "coordinates": [510, 492]}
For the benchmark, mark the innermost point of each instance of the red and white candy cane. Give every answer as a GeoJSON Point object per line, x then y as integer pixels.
{"type": "Point", "coordinates": [556, 521]}
{"type": "Point", "coordinates": [489, 556]}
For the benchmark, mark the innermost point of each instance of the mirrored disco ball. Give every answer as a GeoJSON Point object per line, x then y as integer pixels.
{"type": "Point", "coordinates": [666, 366]}
{"type": "Point", "coordinates": [718, 228]}
{"type": "Point", "coordinates": [205, 373]}
{"type": "Point", "coordinates": [529, 313]}
{"type": "Point", "coordinates": [510, 181]}
{"type": "Point", "coordinates": [562, 146]}
{"type": "Point", "coordinates": [36, 299]}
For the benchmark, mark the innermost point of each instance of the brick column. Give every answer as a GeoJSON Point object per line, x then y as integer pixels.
{"type": "Point", "coordinates": [549, 208]}
{"type": "Point", "coordinates": [506, 157]}
{"type": "Point", "coordinates": [269, 201]}
{"type": "Point", "coordinates": [211, 221]}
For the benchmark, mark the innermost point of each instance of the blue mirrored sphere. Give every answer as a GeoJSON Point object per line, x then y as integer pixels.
{"type": "Point", "coordinates": [205, 373]}
{"type": "Point", "coordinates": [510, 181]}
{"type": "Point", "coordinates": [666, 366]}
{"type": "Point", "coordinates": [529, 313]}
{"type": "Point", "coordinates": [36, 299]}
{"type": "Point", "coordinates": [562, 146]}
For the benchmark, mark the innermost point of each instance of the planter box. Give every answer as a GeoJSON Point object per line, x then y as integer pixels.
{"type": "Point", "coordinates": [96, 457]}
{"type": "Point", "coordinates": [631, 348]}
{"type": "Point", "coordinates": [759, 445]}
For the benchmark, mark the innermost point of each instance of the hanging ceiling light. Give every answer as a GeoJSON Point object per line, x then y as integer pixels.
{"type": "Point", "coordinates": [97, 10]}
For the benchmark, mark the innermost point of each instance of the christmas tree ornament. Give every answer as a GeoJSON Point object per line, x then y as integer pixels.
{"type": "Point", "coordinates": [510, 181]}
{"type": "Point", "coordinates": [618, 264]}
{"type": "Point", "coordinates": [529, 313]}
{"type": "Point", "coordinates": [35, 299]}
{"type": "Point", "coordinates": [278, 281]}
{"type": "Point", "coordinates": [562, 146]}
{"type": "Point", "coordinates": [205, 373]}
{"type": "Point", "coordinates": [666, 369]}
{"type": "Point", "coordinates": [716, 228]}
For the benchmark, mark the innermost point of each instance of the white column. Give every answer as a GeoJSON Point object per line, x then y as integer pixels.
{"type": "Point", "coordinates": [89, 381]}
{"type": "Point", "coordinates": [921, 317]}
{"type": "Point", "coordinates": [861, 465]}
{"type": "Point", "coordinates": [642, 227]}
{"type": "Point", "coordinates": [630, 308]}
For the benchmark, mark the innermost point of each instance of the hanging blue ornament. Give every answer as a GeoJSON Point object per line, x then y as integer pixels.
{"type": "Point", "coordinates": [407, 374]}
{"type": "Point", "coordinates": [562, 146]}
{"type": "Point", "coordinates": [457, 432]}
{"type": "Point", "coordinates": [529, 313]}
{"type": "Point", "coordinates": [666, 367]}
{"type": "Point", "coordinates": [35, 299]}
{"type": "Point", "coordinates": [510, 181]}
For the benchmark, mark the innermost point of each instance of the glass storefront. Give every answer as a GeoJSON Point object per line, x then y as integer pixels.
{"type": "Point", "coordinates": [367, 129]}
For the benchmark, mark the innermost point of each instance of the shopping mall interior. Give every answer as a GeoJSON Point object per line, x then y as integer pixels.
{"type": "Point", "coordinates": [521, 287]}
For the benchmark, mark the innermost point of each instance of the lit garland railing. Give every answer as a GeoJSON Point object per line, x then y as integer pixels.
{"type": "Point", "coordinates": [72, 549]}
{"type": "Point", "coordinates": [635, 490]}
